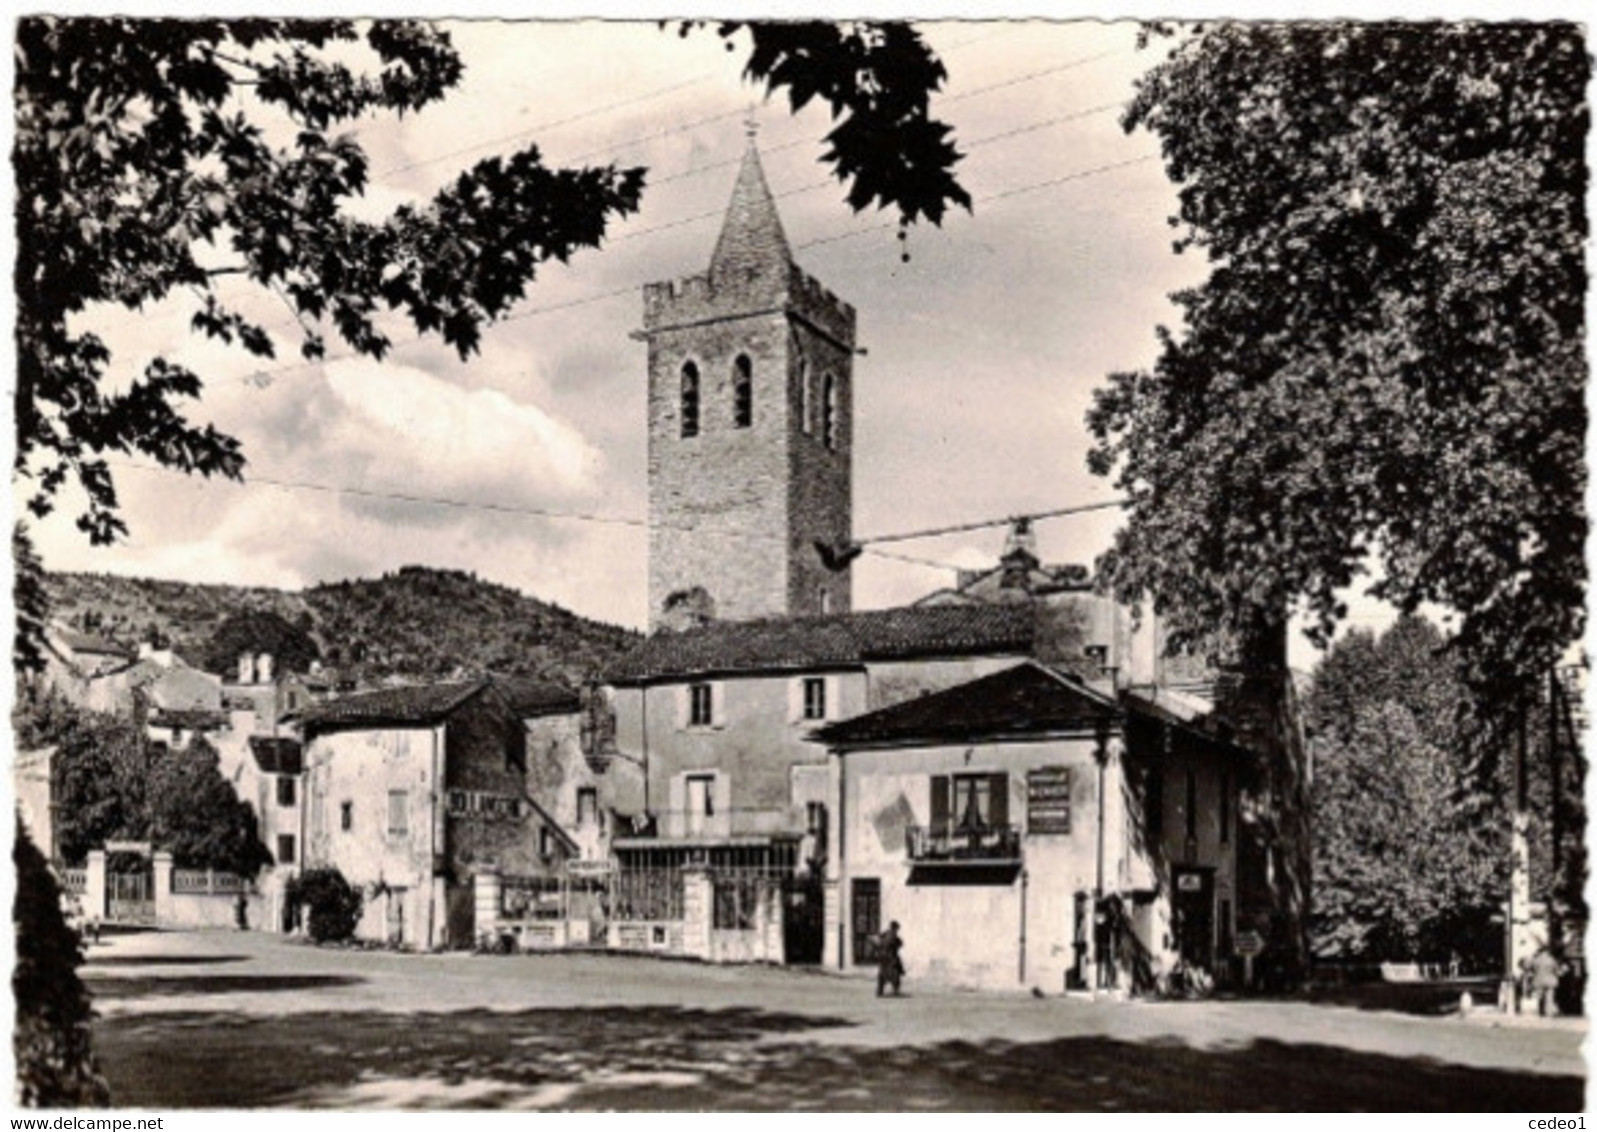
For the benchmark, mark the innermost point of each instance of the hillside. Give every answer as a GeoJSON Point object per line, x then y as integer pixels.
{"type": "Point", "coordinates": [417, 623]}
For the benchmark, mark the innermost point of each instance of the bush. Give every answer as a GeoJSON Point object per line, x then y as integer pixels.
{"type": "Point", "coordinates": [55, 1066]}
{"type": "Point", "coordinates": [334, 906]}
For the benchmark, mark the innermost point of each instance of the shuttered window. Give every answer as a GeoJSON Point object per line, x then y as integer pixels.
{"type": "Point", "coordinates": [963, 801]}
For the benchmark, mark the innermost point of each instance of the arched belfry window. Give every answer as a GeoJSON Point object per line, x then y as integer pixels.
{"type": "Point", "coordinates": [690, 399]}
{"type": "Point", "coordinates": [742, 392]}
{"type": "Point", "coordinates": [806, 410]}
{"type": "Point", "coordinates": [829, 411]}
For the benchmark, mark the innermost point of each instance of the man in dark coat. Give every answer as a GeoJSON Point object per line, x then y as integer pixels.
{"type": "Point", "coordinates": [889, 967]}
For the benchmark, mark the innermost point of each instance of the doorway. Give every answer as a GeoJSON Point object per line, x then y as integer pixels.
{"type": "Point", "coordinates": [865, 903]}
{"type": "Point", "coordinates": [1194, 917]}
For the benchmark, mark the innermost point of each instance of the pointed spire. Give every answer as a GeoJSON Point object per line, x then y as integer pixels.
{"type": "Point", "coordinates": [751, 234]}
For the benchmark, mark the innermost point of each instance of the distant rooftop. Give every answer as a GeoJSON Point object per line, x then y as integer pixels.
{"type": "Point", "coordinates": [838, 640]}
{"type": "Point", "coordinates": [1027, 700]}
{"type": "Point", "coordinates": [423, 705]}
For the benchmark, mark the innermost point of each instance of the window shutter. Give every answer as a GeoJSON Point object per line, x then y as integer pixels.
{"type": "Point", "coordinates": [795, 699]}
{"type": "Point", "coordinates": [718, 705]}
{"type": "Point", "coordinates": [999, 791]}
{"type": "Point", "coordinates": [940, 800]}
{"type": "Point", "coordinates": [684, 696]}
{"type": "Point", "coordinates": [833, 706]}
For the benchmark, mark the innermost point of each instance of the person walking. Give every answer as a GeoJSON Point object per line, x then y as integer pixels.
{"type": "Point", "coordinates": [889, 967]}
{"type": "Point", "coordinates": [1544, 972]}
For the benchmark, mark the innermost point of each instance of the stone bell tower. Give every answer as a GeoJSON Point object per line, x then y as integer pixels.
{"type": "Point", "coordinates": [750, 425]}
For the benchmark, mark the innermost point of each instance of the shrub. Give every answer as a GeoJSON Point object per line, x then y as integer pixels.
{"type": "Point", "coordinates": [55, 1066]}
{"type": "Point", "coordinates": [333, 905]}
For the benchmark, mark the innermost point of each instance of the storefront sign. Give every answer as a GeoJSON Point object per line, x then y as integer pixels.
{"type": "Point", "coordinates": [1048, 800]}
{"type": "Point", "coordinates": [480, 804]}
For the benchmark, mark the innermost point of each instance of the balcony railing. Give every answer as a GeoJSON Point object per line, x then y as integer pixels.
{"type": "Point", "coordinates": [954, 841]}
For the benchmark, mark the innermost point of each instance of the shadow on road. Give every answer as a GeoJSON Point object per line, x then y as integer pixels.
{"type": "Point", "coordinates": [653, 1058]}
{"type": "Point", "coordinates": [146, 986]}
{"type": "Point", "coordinates": [160, 961]}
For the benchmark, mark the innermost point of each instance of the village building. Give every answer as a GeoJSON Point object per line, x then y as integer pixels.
{"type": "Point", "coordinates": [1027, 829]}
{"type": "Point", "coordinates": [718, 717]}
{"type": "Point", "coordinates": [413, 792]}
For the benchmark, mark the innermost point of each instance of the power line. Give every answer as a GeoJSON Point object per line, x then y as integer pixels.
{"type": "Point", "coordinates": [627, 520]}
{"type": "Point", "coordinates": [552, 125]}
{"type": "Point", "coordinates": [587, 300]}
{"type": "Point", "coordinates": [983, 524]}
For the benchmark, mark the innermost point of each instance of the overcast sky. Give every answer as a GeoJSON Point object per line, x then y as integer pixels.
{"type": "Point", "coordinates": [984, 348]}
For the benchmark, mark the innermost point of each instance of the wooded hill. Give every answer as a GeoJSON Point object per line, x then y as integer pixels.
{"type": "Point", "coordinates": [416, 623]}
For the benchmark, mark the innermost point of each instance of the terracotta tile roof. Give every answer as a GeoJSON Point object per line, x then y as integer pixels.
{"type": "Point", "coordinates": [422, 705]}
{"type": "Point", "coordinates": [277, 754]}
{"type": "Point", "coordinates": [838, 640]}
{"type": "Point", "coordinates": [1026, 700]}
{"type": "Point", "coordinates": [189, 719]}
{"type": "Point", "coordinates": [88, 643]}
{"type": "Point", "coordinates": [415, 705]}
{"type": "Point", "coordinates": [529, 698]}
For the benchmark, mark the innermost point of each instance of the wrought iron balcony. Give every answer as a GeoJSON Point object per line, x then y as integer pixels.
{"type": "Point", "coordinates": [964, 841]}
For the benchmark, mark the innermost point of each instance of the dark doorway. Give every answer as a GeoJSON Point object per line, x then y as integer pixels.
{"type": "Point", "coordinates": [803, 918]}
{"type": "Point", "coordinates": [866, 905]}
{"type": "Point", "coordinates": [1194, 916]}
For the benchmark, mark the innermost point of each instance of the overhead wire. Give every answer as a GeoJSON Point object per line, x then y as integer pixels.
{"type": "Point", "coordinates": [867, 543]}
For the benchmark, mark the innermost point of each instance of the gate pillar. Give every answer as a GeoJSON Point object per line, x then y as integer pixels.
{"type": "Point", "coordinates": [161, 888]}
{"type": "Point", "coordinates": [698, 906]}
{"type": "Point", "coordinates": [94, 906]}
{"type": "Point", "coordinates": [486, 902]}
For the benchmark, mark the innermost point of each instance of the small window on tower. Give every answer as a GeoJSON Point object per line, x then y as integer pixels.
{"type": "Point", "coordinates": [690, 399]}
{"type": "Point", "coordinates": [743, 392]}
{"type": "Point", "coordinates": [829, 411]}
{"type": "Point", "coordinates": [806, 410]}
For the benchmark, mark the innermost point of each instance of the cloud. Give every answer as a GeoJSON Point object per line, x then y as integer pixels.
{"type": "Point", "coordinates": [412, 432]}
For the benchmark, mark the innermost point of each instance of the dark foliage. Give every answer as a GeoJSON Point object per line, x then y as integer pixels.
{"type": "Point", "coordinates": [1410, 861]}
{"type": "Point", "coordinates": [131, 156]}
{"type": "Point", "coordinates": [110, 783]}
{"type": "Point", "coordinates": [877, 79]}
{"type": "Point", "coordinates": [1385, 367]}
{"type": "Point", "coordinates": [258, 631]}
{"type": "Point", "coordinates": [195, 815]}
{"type": "Point", "coordinates": [55, 1064]}
{"type": "Point", "coordinates": [332, 906]}
{"type": "Point", "coordinates": [31, 603]}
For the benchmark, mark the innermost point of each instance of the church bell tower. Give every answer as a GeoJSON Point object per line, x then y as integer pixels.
{"type": "Point", "coordinates": [750, 425]}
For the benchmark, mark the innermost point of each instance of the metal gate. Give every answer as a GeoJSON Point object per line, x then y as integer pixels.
{"type": "Point", "coordinates": [129, 898]}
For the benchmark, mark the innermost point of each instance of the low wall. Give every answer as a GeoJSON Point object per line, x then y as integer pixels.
{"type": "Point", "coordinates": [189, 910]}
{"type": "Point", "coordinates": [662, 937]}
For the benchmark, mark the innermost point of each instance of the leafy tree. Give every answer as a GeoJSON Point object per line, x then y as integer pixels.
{"type": "Point", "coordinates": [1410, 859]}
{"type": "Point", "coordinates": [98, 773]}
{"type": "Point", "coordinates": [1385, 365]}
{"type": "Point", "coordinates": [333, 906]}
{"type": "Point", "coordinates": [144, 145]}
{"type": "Point", "coordinates": [32, 605]}
{"type": "Point", "coordinates": [55, 1064]}
{"type": "Point", "coordinates": [195, 815]}
{"type": "Point", "coordinates": [259, 631]}
{"type": "Point", "coordinates": [110, 783]}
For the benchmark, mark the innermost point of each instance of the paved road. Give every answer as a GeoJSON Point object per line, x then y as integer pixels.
{"type": "Point", "coordinates": [233, 1020]}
